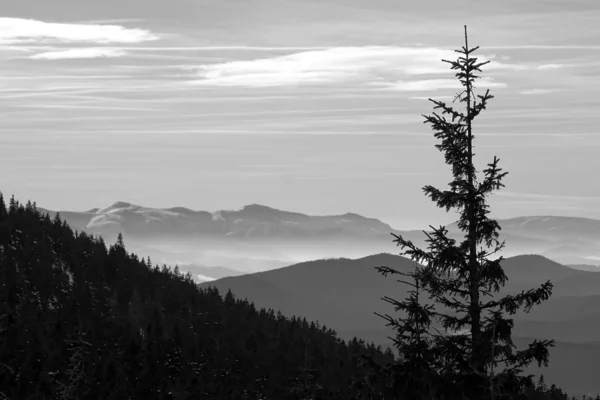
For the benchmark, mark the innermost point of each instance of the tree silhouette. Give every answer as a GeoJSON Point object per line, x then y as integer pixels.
{"type": "Point", "coordinates": [475, 335]}
{"type": "Point", "coordinates": [412, 375]}
{"type": "Point", "coordinates": [3, 212]}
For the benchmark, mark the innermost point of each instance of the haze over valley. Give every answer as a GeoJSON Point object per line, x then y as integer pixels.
{"type": "Point", "coordinates": [258, 238]}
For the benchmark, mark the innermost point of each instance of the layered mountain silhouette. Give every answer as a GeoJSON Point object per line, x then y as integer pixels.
{"type": "Point", "coordinates": [254, 252]}
{"type": "Point", "coordinates": [344, 294]}
{"type": "Point", "coordinates": [309, 288]}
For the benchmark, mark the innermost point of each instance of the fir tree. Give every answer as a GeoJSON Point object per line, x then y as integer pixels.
{"type": "Point", "coordinates": [457, 276]}
{"type": "Point", "coordinates": [120, 242]}
{"type": "Point", "coordinates": [542, 384]}
{"type": "Point", "coordinates": [412, 375]}
{"type": "Point", "coordinates": [3, 212]}
{"type": "Point", "coordinates": [77, 384]}
{"type": "Point", "coordinates": [13, 204]}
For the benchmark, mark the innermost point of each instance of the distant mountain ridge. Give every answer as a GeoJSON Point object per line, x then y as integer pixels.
{"type": "Point", "coordinates": [252, 221]}
{"type": "Point", "coordinates": [573, 231]}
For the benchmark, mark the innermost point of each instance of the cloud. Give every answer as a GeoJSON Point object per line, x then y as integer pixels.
{"type": "Point", "coordinates": [78, 53]}
{"type": "Point", "coordinates": [87, 107]}
{"type": "Point", "coordinates": [550, 66]}
{"type": "Point", "coordinates": [369, 64]}
{"type": "Point", "coordinates": [111, 21]}
{"type": "Point", "coordinates": [537, 196]}
{"type": "Point", "coordinates": [537, 91]}
{"type": "Point", "coordinates": [546, 47]}
{"type": "Point", "coordinates": [550, 202]}
{"type": "Point", "coordinates": [436, 84]}
{"type": "Point", "coordinates": [436, 97]}
{"type": "Point", "coordinates": [18, 30]}
{"type": "Point", "coordinates": [15, 48]}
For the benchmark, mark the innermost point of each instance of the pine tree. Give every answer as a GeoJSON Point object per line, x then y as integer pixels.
{"type": "Point", "coordinates": [305, 386]}
{"type": "Point", "coordinates": [412, 375]}
{"type": "Point", "coordinates": [542, 384]}
{"type": "Point", "coordinates": [13, 204]}
{"type": "Point", "coordinates": [458, 275]}
{"type": "Point", "coordinates": [78, 381]}
{"type": "Point", "coordinates": [3, 212]}
{"type": "Point", "coordinates": [120, 242]}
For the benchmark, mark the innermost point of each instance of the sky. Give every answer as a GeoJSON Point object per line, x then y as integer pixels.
{"type": "Point", "coordinates": [301, 105]}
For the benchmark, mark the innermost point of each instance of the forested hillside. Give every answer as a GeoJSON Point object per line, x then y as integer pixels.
{"type": "Point", "coordinates": [80, 321]}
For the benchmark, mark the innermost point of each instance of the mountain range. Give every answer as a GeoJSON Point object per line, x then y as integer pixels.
{"type": "Point", "coordinates": [257, 238]}
{"type": "Point", "coordinates": [343, 294]}
{"type": "Point", "coordinates": [251, 222]}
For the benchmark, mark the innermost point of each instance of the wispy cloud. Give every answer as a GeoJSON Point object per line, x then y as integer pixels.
{"type": "Point", "coordinates": [385, 65]}
{"type": "Point", "coordinates": [537, 91]}
{"type": "Point", "coordinates": [111, 21]}
{"type": "Point", "coordinates": [550, 66]}
{"type": "Point", "coordinates": [538, 196]}
{"type": "Point", "coordinates": [543, 202]}
{"type": "Point", "coordinates": [87, 107]}
{"type": "Point", "coordinates": [545, 47]}
{"type": "Point", "coordinates": [436, 97]}
{"type": "Point", "coordinates": [21, 49]}
{"type": "Point", "coordinates": [78, 53]}
{"type": "Point", "coordinates": [19, 30]}
{"type": "Point", "coordinates": [435, 84]}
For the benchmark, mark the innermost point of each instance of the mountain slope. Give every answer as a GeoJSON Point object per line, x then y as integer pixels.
{"type": "Point", "coordinates": [527, 271]}
{"type": "Point", "coordinates": [343, 287]}
{"type": "Point", "coordinates": [88, 322]}
{"type": "Point", "coordinates": [339, 292]}
{"type": "Point", "coordinates": [344, 293]}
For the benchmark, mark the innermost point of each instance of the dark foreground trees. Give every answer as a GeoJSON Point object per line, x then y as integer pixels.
{"type": "Point", "coordinates": [455, 340]}
{"type": "Point", "coordinates": [80, 321]}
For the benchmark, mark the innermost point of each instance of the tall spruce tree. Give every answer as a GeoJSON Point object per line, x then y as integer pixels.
{"type": "Point", "coordinates": [475, 339]}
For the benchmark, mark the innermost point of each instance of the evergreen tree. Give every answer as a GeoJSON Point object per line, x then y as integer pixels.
{"type": "Point", "coordinates": [411, 376]}
{"type": "Point", "coordinates": [13, 204]}
{"type": "Point", "coordinates": [305, 386]}
{"type": "Point", "coordinates": [3, 211]}
{"type": "Point", "coordinates": [77, 385]}
{"type": "Point", "coordinates": [120, 242]}
{"type": "Point", "coordinates": [476, 334]}
{"type": "Point", "coordinates": [542, 384]}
